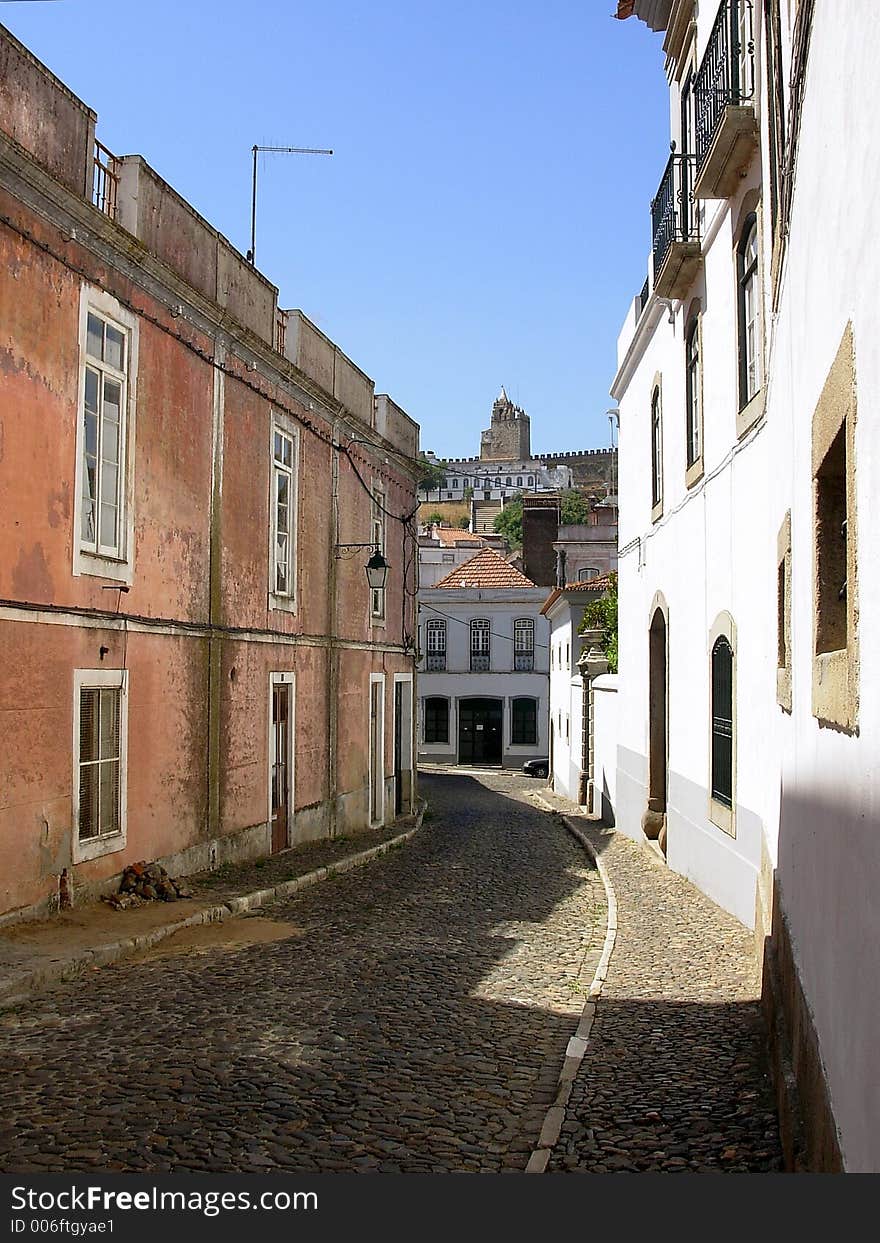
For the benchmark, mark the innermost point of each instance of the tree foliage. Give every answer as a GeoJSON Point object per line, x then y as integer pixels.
{"type": "Point", "coordinates": [574, 511]}
{"type": "Point", "coordinates": [431, 474]}
{"type": "Point", "coordinates": [509, 522]}
{"type": "Point", "coordinates": [602, 615]}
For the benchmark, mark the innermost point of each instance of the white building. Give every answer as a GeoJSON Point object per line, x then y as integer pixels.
{"type": "Point", "coordinates": [574, 770]}
{"type": "Point", "coordinates": [483, 681]}
{"type": "Point", "coordinates": [441, 549]}
{"type": "Point", "coordinates": [748, 381]}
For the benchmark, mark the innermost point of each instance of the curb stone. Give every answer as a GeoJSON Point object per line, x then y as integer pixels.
{"type": "Point", "coordinates": [56, 973]}
{"type": "Point", "coordinates": [579, 1043]}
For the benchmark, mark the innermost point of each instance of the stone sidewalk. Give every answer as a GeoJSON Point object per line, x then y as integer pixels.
{"type": "Point", "coordinates": [674, 1075]}
{"type": "Point", "coordinates": [35, 955]}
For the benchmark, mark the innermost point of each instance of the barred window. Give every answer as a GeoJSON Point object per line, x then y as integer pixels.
{"type": "Point", "coordinates": [722, 721]}
{"type": "Point", "coordinates": [435, 642]}
{"type": "Point", "coordinates": [480, 645]}
{"type": "Point", "coordinates": [524, 644]}
{"type": "Point", "coordinates": [524, 722]}
{"type": "Point", "coordinates": [436, 720]}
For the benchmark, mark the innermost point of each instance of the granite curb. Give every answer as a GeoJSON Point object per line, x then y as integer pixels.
{"type": "Point", "coordinates": [58, 972]}
{"type": "Point", "coordinates": [578, 1045]}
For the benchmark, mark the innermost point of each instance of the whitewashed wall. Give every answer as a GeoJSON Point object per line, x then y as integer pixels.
{"type": "Point", "coordinates": [605, 725]}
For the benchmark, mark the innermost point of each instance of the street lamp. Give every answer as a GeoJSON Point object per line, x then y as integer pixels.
{"type": "Point", "coordinates": [377, 571]}
{"type": "Point", "coordinates": [376, 568]}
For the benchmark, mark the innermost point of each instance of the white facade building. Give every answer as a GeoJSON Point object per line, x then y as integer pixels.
{"type": "Point", "coordinates": [748, 382]}
{"type": "Point", "coordinates": [574, 771]}
{"type": "Point", "coordinates": [483, 680]}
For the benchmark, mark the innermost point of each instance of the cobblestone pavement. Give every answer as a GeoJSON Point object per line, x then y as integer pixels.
{"type": "Point", "coordinates": [675, 1076]}
{"type": "Point", "coordinates": [415, 1018]}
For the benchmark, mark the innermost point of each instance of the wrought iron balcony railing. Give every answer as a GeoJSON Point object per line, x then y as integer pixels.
{"type": "Point", "coordinates": [727, 72]}
{"type": "Point", "coordinates": [673, 218]}
{"type": "Point", "coordinates": [105, 180]}
{"type": "Point", "coordinates": [643, 297]}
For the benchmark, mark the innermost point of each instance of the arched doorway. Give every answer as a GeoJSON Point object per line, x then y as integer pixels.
{"type": "Point", "coordinates": [654, 819]}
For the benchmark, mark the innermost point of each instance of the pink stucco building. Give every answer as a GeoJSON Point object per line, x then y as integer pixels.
{"type": "Point", "coordinates": [192, 665]}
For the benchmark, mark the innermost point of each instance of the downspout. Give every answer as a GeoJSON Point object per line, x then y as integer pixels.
{"type": "Point", "coordinates": [215, 651]}
{"type": "Point", "coordinates": [332, 649]}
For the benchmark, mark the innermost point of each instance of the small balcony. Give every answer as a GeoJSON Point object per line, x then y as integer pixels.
{"type": "Point", "coordinates": [105, 180]}
{"type": "Point", "coordinates": [676, 238]}
{"type": "Point", "coordinates": [724, 94]}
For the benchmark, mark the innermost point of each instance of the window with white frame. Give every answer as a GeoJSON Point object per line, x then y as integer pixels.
{"type": "Point", "coordinates": [103, 436]}
{"type": "Point", "coordinates": [436, 719]}
{"type": "Point", "coordinates": [588, 572]}
{"type": "Point", "coordinates": [99, 744]}
{"type": "Point", "coordinates": [283, 501]}
{"type": "Point", "coordinates": [435, 643]}
{"type": "Point", "coordinates": [377, 538]}
{"type": "Point", "coordinates": [524, 644]}
{"type": "Point", "coordinates": [480, 645]}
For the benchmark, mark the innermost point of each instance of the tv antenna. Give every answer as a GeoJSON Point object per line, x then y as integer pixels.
{"type": "Point", "coordinates": [286, 151]}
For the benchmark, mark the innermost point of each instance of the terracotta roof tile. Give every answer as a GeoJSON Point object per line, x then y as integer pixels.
{"type": "Point", "coordinates": [487, 569]}
{"type": "Point", "coordinates": [450, 536]}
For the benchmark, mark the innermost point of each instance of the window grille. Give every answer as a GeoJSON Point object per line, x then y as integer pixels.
{"type": "Point", "coordinates": [480, 646]}
{"type": "Point", "coordinates": [523, 645]}
{"type": "Point", "coordinates": [435, 636]}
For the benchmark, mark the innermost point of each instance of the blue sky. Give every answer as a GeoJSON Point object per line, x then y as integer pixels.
{"type": "Point", "coordinates": [484, 219]}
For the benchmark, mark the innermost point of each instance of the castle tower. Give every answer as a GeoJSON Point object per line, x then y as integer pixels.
{"type": "Point", "coordinates": [509, 437]}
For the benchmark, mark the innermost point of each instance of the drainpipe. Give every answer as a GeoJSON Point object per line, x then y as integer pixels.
{"type": "Point", "coordinates": [215, 653]}
{"type": "Point", "coordinates": [332, 650]}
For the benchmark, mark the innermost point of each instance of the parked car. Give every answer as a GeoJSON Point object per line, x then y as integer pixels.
{"type": "Point", "coordinates": [536, 768]}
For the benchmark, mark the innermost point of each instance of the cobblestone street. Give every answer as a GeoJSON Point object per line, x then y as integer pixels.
{"type": "Point", "coordinates": [413, 1016]}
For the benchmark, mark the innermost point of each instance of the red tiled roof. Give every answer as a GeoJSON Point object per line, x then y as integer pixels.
{"type": "Point", "coordinates": [450, 536]}
{"type": "Point", "coordinates": [602, 583]}
{"type": "Point", "coordinates": [487, 569]}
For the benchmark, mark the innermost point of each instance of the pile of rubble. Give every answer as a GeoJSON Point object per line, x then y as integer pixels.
{"type": "Point", "coordinates": [146, 882]}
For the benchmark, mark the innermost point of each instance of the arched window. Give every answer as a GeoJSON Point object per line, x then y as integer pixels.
{"type": "Point", "coordinates": [693, 386]}
{"type": "Point", "coordinates": [588, 572]}
{"type": "Point", "coordinates": [748, 298]}
{"type": "Point", "coordinates": [436, 717]}
{"type": "Point", "coordinates": [656, 451]}
{"type": "Point", "coordinates": [524, 644]}
{"type": "Point", "coordinates": [480, 645]}
{"type": "Point", "coordinates": [435, 643]}
{"type": "Point", "coordinates": [524, 722]}
{"type": "Point", "coordinates": [722, 721]}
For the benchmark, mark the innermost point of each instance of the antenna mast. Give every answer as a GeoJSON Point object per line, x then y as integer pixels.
{"type": "Point", "coordinates": [251, 255]}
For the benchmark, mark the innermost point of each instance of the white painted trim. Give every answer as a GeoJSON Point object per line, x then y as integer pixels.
{"type": "Point", "coordinates": [403, 679]}
{"type": "Point", "coordinates": [281, 678]}
{"type": "Point", "coordinates": [380, 819]}
{"type": "Point", "coordinates": [119, 569]}
{"type": "Point", "coordinates": [96, 847]}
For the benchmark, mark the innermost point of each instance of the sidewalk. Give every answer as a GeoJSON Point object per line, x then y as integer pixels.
{"type": "Point", "coordinates": [34, 956]}
{"type": "Point", "coordinates": [670, 1073]}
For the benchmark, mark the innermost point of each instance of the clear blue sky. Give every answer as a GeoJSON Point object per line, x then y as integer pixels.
{"type": "Point", "coordinates": [484, 220]}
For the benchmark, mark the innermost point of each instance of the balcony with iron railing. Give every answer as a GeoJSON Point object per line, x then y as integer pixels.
{"type": "Point", "coordinates": [105, 180]}
{"type": "Point", "coordinates": [675, 229]}
{"type": "Point", "coordinates": [724, 100]}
